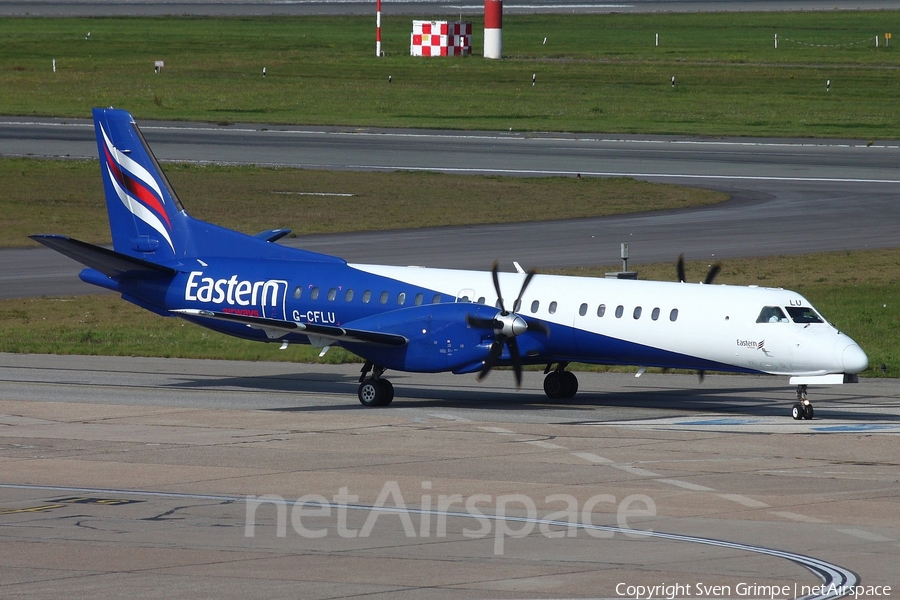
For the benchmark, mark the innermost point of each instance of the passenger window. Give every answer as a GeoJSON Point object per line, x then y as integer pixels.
{"type": "Point", "coordinates": [552, 308]}
{"type": "Point", "coordinates": [367, 295]}
{"type": "Point", "coordinates": [481, 300]}
{"type": "Point", "coordinates": [655, 314]}
{"type": "Point", "coordinates": [517, 305]}
{"type": "Point", "coordinates": [673, 315]}
{"type": "Point", "coordinates": [418, 300]}
{"type": "Point", "coordinates": [620, 310]}
{"type": "Point", "coordinates": [582, 310]}
{"type": "Point", "coordinates": [349, 296]}
{"type": "Point", "coordinates": [637, 312]}
{"type": "Point", "coordinates": [332, 294]}
{"type": "Point", "coordinates": [436, 299]}
{"type": "Point", "coordinates": [384, 298]}
{"type": "Point", "coordinates": [535, 305]}
{"type": "Point", "coordinates": [298, 291]}
{"type": "Point", "coordinates": [401, 298]}
{"type": "Point", "coordinates": [314, 294]}
{"type": "Point", "coordinates": [803, 314]}
{"type": "Point", "coordinates": [601, 310]}
{"type": "Point", "coordinates": [771, 314]}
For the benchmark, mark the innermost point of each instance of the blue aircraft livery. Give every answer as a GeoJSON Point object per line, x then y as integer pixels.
{"type": "Point", "coordinates": [432, 320]}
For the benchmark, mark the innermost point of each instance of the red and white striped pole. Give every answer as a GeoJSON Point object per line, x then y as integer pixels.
{"type": "Point", "coordinates": [377, 27]}
{"type": "Point", "coordinates": [493, 28]}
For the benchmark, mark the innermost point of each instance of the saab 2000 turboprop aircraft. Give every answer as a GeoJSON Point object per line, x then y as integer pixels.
{"type": "Point", "coordinates": [432, 320]}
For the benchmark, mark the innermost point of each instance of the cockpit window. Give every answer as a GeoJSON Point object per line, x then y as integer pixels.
{"type": "Point", "coordinates": [803, 314]}
{"type": "Point", "coordinates": [772, 314]}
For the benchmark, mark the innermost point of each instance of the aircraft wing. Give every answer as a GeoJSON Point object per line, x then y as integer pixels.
{"type": "Point", "coordinates": [275, 328]}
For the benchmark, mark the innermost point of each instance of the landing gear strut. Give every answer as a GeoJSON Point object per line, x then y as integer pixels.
{"type": "Point", "coordinates": [374, 391]}
{"type": "Point", "coordinates": [559, 383]}
{"type": "Point", "coordinates": [803, 409]}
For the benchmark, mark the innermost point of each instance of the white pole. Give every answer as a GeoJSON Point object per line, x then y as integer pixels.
{"type": "Point", "coordinates": [776, 41]}
{"type": "Point", "coordinates": [657, 39]}
{"type": "Point", "coordinates": [54, 65]}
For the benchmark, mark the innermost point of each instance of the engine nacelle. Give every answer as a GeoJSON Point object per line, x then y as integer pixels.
{"type": "Point", "coordinates": [439, 338]}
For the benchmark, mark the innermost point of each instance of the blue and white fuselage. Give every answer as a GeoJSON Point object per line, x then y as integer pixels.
{"type": "Point", "coordinates": [433, 320]}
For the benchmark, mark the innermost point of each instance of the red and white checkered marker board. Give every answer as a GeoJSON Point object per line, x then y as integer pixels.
{"type": "Point", "coordinates": [440, 38]}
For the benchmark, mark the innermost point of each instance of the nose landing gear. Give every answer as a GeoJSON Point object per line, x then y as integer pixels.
{"type": "Point", "coordinates": [803, 408]}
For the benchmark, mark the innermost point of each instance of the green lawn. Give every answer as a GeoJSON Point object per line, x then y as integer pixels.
{"type": "Point", "coordinates": [251, 199]}
{"type": "Point", "coordinates": [595, 73]}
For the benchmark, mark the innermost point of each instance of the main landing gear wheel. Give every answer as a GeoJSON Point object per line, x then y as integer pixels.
{"type": "Point", "coordinates": [375, 392]}
{"type": "Point", "coordinates": [802, 409]}
{"type": "Point", "coordinates": [560, 385]}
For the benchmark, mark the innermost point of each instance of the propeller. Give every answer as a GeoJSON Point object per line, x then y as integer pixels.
{"type": "Point", "coordinates": [713, 271]}
{"type": "Point", "coordinates": [710, 275]}
{"type": "Point", "coordinates": [507, 325]}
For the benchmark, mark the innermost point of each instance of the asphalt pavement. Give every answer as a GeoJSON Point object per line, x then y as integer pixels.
{"type": "Point", "coordinates": [787, 196]}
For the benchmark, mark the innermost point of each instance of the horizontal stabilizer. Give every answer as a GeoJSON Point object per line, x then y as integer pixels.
{"type": "Point", "coordinates": [272, 235]}
{"type": "Point", "coordinates": [276, 328]}
{"type": "Point", "coordinates": [108, 262]}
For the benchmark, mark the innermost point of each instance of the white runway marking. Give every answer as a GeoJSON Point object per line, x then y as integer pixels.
{"type": "Point", "coordinates": [545, 445]}
{"type": "Point", "coordinates": [591, 457]}
{"type": "Point", "coordinates": [560, 173]}
{"type": "Point", "coordinates": [686, 485]}
{"type": "Point", "coordinates": [499, 430]}
{"type": "Point", "coordinates": [792, 516]}
{"type": "Point", "coordinates": [748, 502]}
{"type": "Point", "coordinates": [636, 471]}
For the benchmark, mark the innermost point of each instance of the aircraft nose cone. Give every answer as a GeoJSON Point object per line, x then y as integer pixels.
{"type": "Point", "coordinates": [854, 359]}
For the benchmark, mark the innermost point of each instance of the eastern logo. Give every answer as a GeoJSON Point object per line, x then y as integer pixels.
{"type": "Point", "coordinates": [266, 296]}
{"type": "Point", "coordinates": [137, 189]}
{"type": "Point", "coordinates": [760, 345]}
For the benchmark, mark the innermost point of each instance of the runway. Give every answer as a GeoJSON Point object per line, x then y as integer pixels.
{"type": "Point", "coordinates": [133, 477]}
{"type": "Point", "coordinates": [788, 196]}
{"type": "Point", "coordinates": [245, 8]}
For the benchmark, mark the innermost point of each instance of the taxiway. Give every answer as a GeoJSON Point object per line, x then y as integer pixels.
{"type": "Point", "coordinates": [142, 477]}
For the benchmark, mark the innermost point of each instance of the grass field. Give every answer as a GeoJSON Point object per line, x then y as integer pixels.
{"type": "Point", "coordinates": [252, 199]}
{"type": "Point", "coordinates": [857, 291]}
{"type": "Point", "coordinates": [595, 73]}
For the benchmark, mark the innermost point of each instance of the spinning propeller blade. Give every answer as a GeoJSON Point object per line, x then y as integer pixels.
{"type": "Point", "coordinates": [679, 267]}
{"type": "Point", "coordinates": [506, 326]}
{"type": "Point", "coordinates": [713, 271]}
{"type": "Point", "coordinates": [710, 277]}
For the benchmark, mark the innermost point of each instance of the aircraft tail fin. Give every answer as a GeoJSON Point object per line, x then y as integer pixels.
{"type": "Point", "coordinates": [146, 217]}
